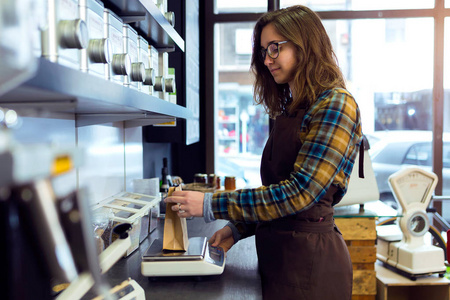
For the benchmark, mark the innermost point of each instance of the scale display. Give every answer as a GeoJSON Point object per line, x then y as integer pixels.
{"type": "Point", "coordinates": [418, 224]}
{"type": "Point", "coordinates": [414, 186]}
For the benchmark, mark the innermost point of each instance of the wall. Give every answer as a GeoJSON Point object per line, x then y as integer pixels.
{"type": "Point", "coordinates": [159, 142]}
{"type": "Point", "coordinates": [113, 155]}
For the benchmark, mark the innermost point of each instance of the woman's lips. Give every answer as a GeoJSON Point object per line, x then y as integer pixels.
{"type": "Point", "coordinates": [274, 70]}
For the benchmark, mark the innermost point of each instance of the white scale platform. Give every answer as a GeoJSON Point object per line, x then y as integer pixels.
{"type": "Point", "coordinates": [200, 259]}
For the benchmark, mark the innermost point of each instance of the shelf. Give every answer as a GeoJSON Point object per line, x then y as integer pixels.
{"type": "Point", "coordinates": [148, 20]}
{"type": "Point", "coordinates": [92, 100]}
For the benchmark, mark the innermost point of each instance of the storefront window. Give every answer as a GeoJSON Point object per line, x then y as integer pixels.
{"type": "Point", "coordinates": [446, 127]}
{"type": "Point", "coordinates": [388, 65]}
{"type": "Point", "coordinates": [325, 5]}
{"type": "Point", "coordinates": [447, 75]}
{"type": "Point", "coordinates": [242, 127]}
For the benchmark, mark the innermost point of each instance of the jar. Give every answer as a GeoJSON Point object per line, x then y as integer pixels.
{"type": "Point", "coordinates": [212, 180]}
{"type": "Point", "coordinates": [200, 179]}
{"type": "Point", "coordinates": [230, 183]}
{"type": "Point", "coordinates": [218, 183]}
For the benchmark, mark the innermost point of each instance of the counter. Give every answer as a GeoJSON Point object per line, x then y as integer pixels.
{"type": "Point", "coordinates": [240, 279]}
{"type": "Point", "coordinates": [391, 285]}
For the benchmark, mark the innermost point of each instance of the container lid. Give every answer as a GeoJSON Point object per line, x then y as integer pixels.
{"type": "Point", "coordinates": [128, 207]}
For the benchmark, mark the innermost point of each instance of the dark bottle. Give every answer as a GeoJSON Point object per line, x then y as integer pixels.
{"type": "Point", "coordinates": [164, 177]}
{"type": "Point", "coordinates": [164, 189]}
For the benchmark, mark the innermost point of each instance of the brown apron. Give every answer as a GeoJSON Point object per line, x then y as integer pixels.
{"type": "Point", "coordinates": [302, 256]}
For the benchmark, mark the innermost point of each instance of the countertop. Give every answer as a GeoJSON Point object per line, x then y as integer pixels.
{"type": "Point", "coordinates": [371, 209]}
{"type": "Point", "coordinates": [240, 279]}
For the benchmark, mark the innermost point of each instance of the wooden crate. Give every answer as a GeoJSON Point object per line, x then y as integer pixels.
{"type": "Point", "coordinates": [360, 235]}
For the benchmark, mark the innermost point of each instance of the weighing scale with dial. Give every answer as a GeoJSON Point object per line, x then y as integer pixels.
{"type": "Point", "coordinates": [200, 259]}
{"type": "Point", "coordinates": [408, 253]}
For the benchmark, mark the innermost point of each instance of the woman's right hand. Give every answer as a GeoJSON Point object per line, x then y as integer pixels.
{"type": "Point", "coordinates": [222, 238]}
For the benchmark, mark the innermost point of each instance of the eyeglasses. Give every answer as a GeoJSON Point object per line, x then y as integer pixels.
{"type": "Point", "coordinates": [272, 49]}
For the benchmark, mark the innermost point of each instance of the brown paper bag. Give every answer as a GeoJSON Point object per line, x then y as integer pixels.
{"type": "Point", "coordinates": [175, 228]}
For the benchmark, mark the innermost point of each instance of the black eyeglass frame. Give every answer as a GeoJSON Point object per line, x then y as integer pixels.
{"type": "Point", "coordinates": [266, 50]}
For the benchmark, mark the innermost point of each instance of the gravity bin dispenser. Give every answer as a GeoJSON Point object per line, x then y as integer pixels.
{"type": "Point", "coordinates": [46, 225]}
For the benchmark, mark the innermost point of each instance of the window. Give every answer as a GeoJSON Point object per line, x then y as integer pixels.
{"type": "Point", "coordinates": [419, 154]}
{"type": "Point", "coordinates": [386, 50]}
{"type": "Point", "coordinates": [234, 46]}
{"type": "Point", "coordinates": [446, 156]}
{"type": "Point", "coordinates": [242, 127]}
{"type": "Point", "coordinates": [447, 73]}
{"type": "Point", "coordinates": [379, 60]}
{"type": "Point", "coordinates": [330, 5]}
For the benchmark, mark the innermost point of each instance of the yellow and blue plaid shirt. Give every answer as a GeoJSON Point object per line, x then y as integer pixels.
{"type": "Point", "coordinates": [330, 135]}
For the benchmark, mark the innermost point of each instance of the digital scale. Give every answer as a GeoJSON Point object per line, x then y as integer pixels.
{"type": "Point", "coordinates": [406, 251]}
{"type": "Point", "coordinates": [200, 259]}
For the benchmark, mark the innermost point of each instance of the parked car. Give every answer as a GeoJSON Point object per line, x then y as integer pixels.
{"type": "Point", "coordinates": [391, 151]}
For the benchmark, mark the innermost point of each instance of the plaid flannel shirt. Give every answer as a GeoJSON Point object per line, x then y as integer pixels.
{"type": "Point", "coordinates": [330, 135]}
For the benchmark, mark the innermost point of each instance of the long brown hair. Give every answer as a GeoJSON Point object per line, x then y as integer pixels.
{"type": "Point", "coordinates": [317, 68]}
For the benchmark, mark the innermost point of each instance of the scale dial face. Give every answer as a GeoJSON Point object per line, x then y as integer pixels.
{"type": "Point", "coordinates": [413, 187]}
{"type": "Point", "coordinates": [418, 224]}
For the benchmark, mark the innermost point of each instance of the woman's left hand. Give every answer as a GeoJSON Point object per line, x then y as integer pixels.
{"type": "Point", "coordinates": [190, 203]}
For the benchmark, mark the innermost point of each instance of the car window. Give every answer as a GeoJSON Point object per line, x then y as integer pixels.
{"type": "Point", "coordinates": [446, 156]}
{"type": "Point", "coordinates": [419, 154]}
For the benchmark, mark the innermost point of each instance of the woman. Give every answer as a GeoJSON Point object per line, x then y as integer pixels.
{"type": "Point", "coordinates": [305, 165]}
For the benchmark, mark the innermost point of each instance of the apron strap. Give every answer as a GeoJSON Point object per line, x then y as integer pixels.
{"type": "Point", "coordinates": [363, 146]}
{"type": "Point", "coordinates": [361, 160]}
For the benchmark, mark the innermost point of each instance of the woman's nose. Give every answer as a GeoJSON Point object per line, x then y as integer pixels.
{"type": "Point", "coordinates": [268, 60]}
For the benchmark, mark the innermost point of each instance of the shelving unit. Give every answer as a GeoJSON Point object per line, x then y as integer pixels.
{"type": "Point", "coordinates": [93, 100]}
{"type": "Point", "coordinates": [63, 91]}
{"type": "Point", "coordinates": [148, 20]}
{"type": "Point", "coordinates": [89, 128]}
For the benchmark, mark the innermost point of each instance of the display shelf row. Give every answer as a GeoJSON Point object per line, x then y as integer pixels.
{"type": "Point", "coordinates": [58, 91]}
{"type": "Point", "coordinates": [90, 99]}
{"type": "Point", "coordinates": [149, 21]}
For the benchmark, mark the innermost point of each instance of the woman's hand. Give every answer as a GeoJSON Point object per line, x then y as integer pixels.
{"type": "Point", "coordinates": [223, 238]}
{"type": "Point", "coordinates": [190, 203]}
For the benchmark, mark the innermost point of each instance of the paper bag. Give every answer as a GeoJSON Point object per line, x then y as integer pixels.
{"type": "Point", "coordinates": [175, 228]}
